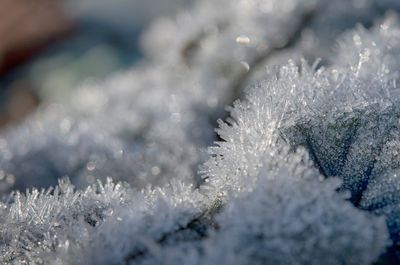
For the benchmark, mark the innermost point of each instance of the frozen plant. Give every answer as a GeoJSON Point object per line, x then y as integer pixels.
{"type": "Point", "coordinates": [309, 157]}
{"type": "Point", "coordinates": [41, 221]}
{"type": "Point", "coordinates": [141, 124]}
{"type": "Point", "coordinates": [345, 118]}
{"type": "Point", "coordinates": [290, 215]}
{"type": "Point", "coordinates": [351, 124]}
{"type": "Point", "coordinates": [284, 212]}
{"type": "Point", "coordinates": [103, 224]}
{"type": "Point", "coordinates": [138, 125]}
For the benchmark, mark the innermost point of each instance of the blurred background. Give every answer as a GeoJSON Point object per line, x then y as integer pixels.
{"type": "Point", "coordinates": [48, 47]}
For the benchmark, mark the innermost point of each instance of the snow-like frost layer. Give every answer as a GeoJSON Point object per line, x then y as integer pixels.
{"type": "Point", "coordinates": [351, 124]}
{"type": "Point", "coordinates": [283, 212]}
{"type": "Point", "coordinates": [138, 126]}
{"type": "Point", "coordinates": [104, 224]}
{"type": "Point", "coordinates": [147, 127]}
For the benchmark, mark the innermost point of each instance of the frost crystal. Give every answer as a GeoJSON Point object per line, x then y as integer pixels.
{"type": "Point", "coordinates": [254, 167]}
{"type": "Point", "coordinates": [306, 170]}
{"type": "Point", "coordinates": [299, 221]}
{"type": "Point", "coordinates": [64, 226]}
{"type": "Point", "coordinates": [352, 130]}
{"type": "Point", "coordinates": [283, 213]}
{"type": "Point", "coordinates": [345, 118]}
{"type": "Point", "coordinates": [139, 125]}
{"type": "Point", "coordinates": [42, 221]}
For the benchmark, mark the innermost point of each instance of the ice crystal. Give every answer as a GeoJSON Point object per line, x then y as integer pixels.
{"type": "Point", "coordinates": [140, 124]}
{"type": "Point", "coordinates": [352, 129]}
{"type": "Point", "coordinates": [279, 209]}
{"type": "Point", "coordinates": [345, 118]}
{"type": "Point", "coordinates": [41, 221]}
{"type": "Point", "coordinates": [66, 226]}
{"type": "Point", "coordinates": [283, 213]}
{"type": "Point", "coordinates": [303, 221]}
{"type": "Point", "coordinates": [305, 170]}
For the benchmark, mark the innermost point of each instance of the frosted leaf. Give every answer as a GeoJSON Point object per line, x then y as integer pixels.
{"type": "Point", "coordinates": [286, 220]}
{"type": "Point", "coordinates": [77, 227]}
{"type": "Point", "coordinates": [346, 120]}
{"type": "Point", "coordinates": [39, 221]}
{"type": "Point", "coordinates": [159, 114]}
{"type": "Point", "coordinates": [149, 216]}
{"type": "Point", "coordinates": [147, 126]}
{"type": "Point", "coordinates": [284, 214]}
{"type": "Point", "coordinates": [275, 197]}
{"type": "Point", "coordinates": [356, 138]}
{"type": "Point", "coordinates": [347, 144]}
{"type": "Point", "coordinates": [253, 126]}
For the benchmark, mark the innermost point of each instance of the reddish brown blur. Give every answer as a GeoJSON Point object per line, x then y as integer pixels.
{"type": "Point", "coordinates": [26, 26]}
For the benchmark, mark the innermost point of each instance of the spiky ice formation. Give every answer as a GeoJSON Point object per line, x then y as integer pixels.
{"type": "Point", "coordinates": [147, 127]}
{"type": "Point", "coordinates": [139, 125]}
{"type": "Point", "coordinates": [277, 208]}
{"type": "Point", "coordinates": [104, 224]}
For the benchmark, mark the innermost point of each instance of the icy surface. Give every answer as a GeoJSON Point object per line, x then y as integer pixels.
{"type": "Point", "coordinates": [305, 168]}
{"type": "Point", "coordinates": [64, 226]}
{"type": "Point", "coordinates": [139, 125]}
{"type": "Point", "coordinates": [352, 130]}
